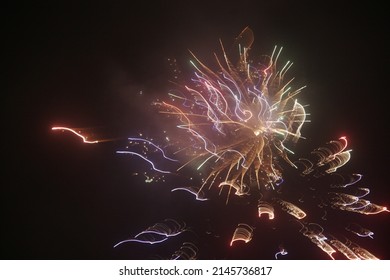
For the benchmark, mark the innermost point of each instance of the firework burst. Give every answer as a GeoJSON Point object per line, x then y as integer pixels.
{"type": "Point", "coordinates": [239, 120]}
{"type": "Point", "coordinates": [233, 130]}
{"type": "Point", "coordinates": [239, 125]}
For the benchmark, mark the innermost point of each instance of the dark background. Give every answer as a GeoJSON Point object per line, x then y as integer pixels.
{"type": "Point", "coordinates": [84, 65]}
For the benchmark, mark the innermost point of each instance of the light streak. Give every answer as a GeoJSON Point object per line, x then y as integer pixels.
{"type": "Point", "coordinates": [199, 195]}
{"type": "Point", "coordinates": [158, 233]}
{"type": "Point", "coordinates": [140, 241]}
{"type": "Point", "coordinates": [359, 230]}
{"type": "Point", "coordinates": [144, 158]}
{"type": "Point", "coordinates": [76, 133]}
{"type": "Point", "coordinates": [281, 252]}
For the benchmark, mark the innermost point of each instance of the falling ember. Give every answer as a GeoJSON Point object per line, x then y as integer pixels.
{"type": "Point", "coordinates": [243, 232]}
{"type": "Point", "coordinates": [266, 208]}
{"type": "Point", "coordinates": [291, 209]}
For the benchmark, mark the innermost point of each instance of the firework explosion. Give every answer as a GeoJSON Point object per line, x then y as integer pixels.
{"type": "Point", "coordinates": [234, 130]}
{"type": "Point", "coordinates": [238, 121]}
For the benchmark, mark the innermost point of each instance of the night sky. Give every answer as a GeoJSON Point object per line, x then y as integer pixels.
{"type": "Point", "coordinates": [84, 66]}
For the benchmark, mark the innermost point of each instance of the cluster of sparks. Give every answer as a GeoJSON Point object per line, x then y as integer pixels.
{"type": "Point", "coordinates": [243, 232]}
{"type": "Point", "coordinates": [236, 128]}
